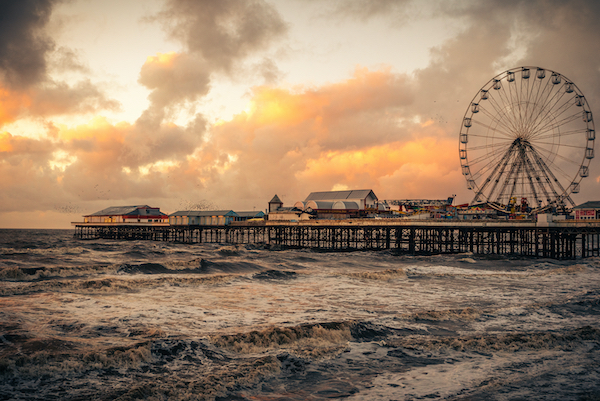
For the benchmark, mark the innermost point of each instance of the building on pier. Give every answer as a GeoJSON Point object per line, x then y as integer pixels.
{"type": "Point", "coordinates": [245, 216]}
{"type": "Point", "coordinates": [341, 204]}
{"type": "Point", "coordinates": [275, 204]}
{"type": "Point", "coordinates": [211, 217]}
{"type": "Point", "coordinates": [141, 214]}
{"type": "Point", "coordinates": [202, 218]}
{"type": "Point", "coordinates": [587, 211]}
{"type": "Point", "coordinates": [278, 212]}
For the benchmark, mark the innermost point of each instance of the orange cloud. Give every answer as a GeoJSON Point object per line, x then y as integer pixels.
{"type": "Point", "coordinates": [164, 59]}
{"type": "Point", "coordinates": [12, 103]}
{"type": "Point", "coordinates": [377, 161]}
{"type": "Point", "coordinates": [5, 142]}
{"type": "Point", "coordinates": [356, 133]}
{"type": "Point", "coordinates": [173, 78]}
{"type": "Point", "coordinates": [99, 129]}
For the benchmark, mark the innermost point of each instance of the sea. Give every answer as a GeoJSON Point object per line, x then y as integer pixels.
{"type": "Point", "coordinates": [144, 320]}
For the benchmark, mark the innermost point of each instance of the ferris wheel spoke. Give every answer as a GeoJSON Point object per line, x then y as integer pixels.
{"type": "Point", "coordinates": [556, 111]}
{"type": "Point", "coordinates": [527, 101]}
{"type": "Point", "coordinates": [499, 124]}
{"type": "Point", "coordinates": [548, 118]}
{"type": "Point", "coordinates": [542, 94]}
{"type": "Point", "coordinates": [510, 107]}
{"type": "Point", "coordinates": [556, 124]}
{"type": "Point", "coordinates": [550, 155]}
{"type": "Point", "coordinates": [500, 103]}
{"type": "Point", "coordinates": [549, 105]}
{"type": "Point", "coordinates": [491, 146]}
{"type": "Point", "coordinates": [487, 137]}
{"type": "Point", "coordinates": [500, 110]}
{"type": "Point", "coordinates": [481, 165]}
{"type": "Point", "coordinates": [495, 130]}
{"type": "Point", "coordinates": [535, 101]}
{"type": "Point", "coordinates": [562, 144]}
{"type": "Point", "coordinates": [559, 134]}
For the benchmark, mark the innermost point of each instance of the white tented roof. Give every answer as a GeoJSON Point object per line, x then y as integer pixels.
{"type": "Point", "coordinates": [345, 205]}
{"type": "Point", "coordinates": [315, 205]}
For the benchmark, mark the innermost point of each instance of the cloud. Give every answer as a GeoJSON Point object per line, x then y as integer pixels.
{"type": "Point", "coordinates": [27, 54]}
{"type": "Point", "coordinates": [223, 32]}
{"type": "Point", "coordinates": [218, 37]}
{"type": "Point", "coordinates": [353, 133]}
{"type": "Point", "coordinates": [23, 42]}
{"type": "Point", "coordinates": [175, 79]}
{"type": "Point", "coordinates": [364, 10]}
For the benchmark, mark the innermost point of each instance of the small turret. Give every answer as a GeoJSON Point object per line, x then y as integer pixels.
{"type": "Point", "coordinates": [275, 204]}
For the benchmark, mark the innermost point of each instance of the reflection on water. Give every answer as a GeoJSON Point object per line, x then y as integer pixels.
{"type": "Point", "coordinates": [152, 320]}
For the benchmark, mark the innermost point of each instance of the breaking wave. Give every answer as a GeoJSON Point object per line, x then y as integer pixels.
{"type": "Point", "coordinates": [313, 339]}
{"type": "Point", "coordinates": [270, 275]}
{"type": "Point", "coordinates": [508, 342]}
{"type": "Point", "coordinates": [112, 284]}
{"type": "Point", "coordinates": [466, 314]}
{"type": "Point", "coordinates": [384, 275]}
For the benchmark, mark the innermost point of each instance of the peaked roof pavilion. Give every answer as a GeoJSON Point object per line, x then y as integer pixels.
{"type": "Point", "coordinates": [340, 195]}
{"type": "Point", "coordinates": [139, 210]}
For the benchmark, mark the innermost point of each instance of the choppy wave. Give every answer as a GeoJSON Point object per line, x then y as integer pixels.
{"type": "Point", "coordinates": [112, 284]}
{"type": "Point", "coordinates": [508, 342]}
{"type": "Point", "coordinates": [275, 275]}
{"type": "Point", "coordinates": [385, 275]}
{"type": "Point", "coordinates": [309, 338]}
{"type": "Point", "coordinates": [465, 314]}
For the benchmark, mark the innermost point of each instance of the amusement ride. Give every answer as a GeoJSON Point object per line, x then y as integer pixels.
{"type": "Point", "coordinates": [527, 138]}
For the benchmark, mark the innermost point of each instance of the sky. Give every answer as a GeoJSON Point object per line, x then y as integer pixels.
{"type": "Point", "coordinates": [195, 104]}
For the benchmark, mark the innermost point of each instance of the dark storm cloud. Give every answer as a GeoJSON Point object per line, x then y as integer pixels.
{"type": "Point", "coordinates": [29, 56]}
{"type": "Point", "coordinates": [23, 43]}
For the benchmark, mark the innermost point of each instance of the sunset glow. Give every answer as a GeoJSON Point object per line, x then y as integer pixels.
{"type": "Point", "coordinates": [186, 108]}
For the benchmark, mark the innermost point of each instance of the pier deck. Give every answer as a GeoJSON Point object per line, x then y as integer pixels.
{"type": "Point", "coordinates": [487, 238]}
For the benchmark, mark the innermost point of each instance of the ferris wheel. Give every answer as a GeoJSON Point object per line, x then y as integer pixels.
{"type": "Point", "coordinates": [528, 135]}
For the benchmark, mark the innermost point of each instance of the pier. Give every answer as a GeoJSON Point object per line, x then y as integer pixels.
{"type": "Point", "coordinates": [564, 242]}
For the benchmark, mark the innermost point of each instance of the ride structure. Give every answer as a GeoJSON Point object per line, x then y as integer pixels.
{"type": "Point", "coordinates": [527, 134]}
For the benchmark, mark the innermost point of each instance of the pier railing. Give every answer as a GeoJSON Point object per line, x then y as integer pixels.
{"type": "Point", "coordinates": [519, 240]}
